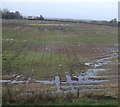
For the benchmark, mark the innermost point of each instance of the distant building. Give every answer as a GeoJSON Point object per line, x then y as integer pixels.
{"type": "Point", "coordinates": [30, 17]}
{"type": "Point", "coordinates": [35, 17]}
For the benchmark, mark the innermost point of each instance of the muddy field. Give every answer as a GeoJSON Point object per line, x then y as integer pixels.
{"type": "Point", "coordinates": [58, 57]}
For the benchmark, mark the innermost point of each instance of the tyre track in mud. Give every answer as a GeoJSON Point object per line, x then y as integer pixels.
{"type": "Point", "coordinates": [65, 49]}
{"type": "Point", "coordinates": [59, 64]}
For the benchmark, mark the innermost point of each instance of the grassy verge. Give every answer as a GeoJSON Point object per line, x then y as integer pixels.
{"type": "Point", "coordinates": [24, 97]}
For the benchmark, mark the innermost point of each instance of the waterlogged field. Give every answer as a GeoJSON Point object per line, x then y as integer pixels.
{"type": "Point", "coordinates": [61, 58]}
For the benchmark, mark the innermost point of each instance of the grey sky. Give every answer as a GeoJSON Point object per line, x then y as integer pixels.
{"type": "Point", "coordinates": [102, 10]}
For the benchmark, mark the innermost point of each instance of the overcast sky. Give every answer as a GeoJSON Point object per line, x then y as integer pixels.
{"type": "Point", "coordinates": [75, 9]}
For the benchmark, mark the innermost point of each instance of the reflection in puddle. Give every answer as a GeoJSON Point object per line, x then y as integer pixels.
{"type": "Point", "coordinates": [57, 83]}
{"type": "Point", "coordinates": [73, 83]}
{"type": "Point", "coordinates": [69, 79]}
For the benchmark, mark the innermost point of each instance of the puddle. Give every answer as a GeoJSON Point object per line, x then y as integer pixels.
{"type": "Point", "coordinates": [16, 82]}
{"type": "Point", "coordinates": [103, 61]}
{"type": "Point", "coordinates": [85, 79]}
{"type": "Point", "coordinates": [85, 90]}
{"type": "Point", "coordinates": [94, 71]}
{"type": "Point", "coordinates": [5, 81]}
{"type": "Point", "coordinates": [75, 89]}
{"type": "Point", "coordinates": [44, 81]}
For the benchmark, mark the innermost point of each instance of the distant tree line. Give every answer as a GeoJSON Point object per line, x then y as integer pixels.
{"type": "Point", "coordinates": [6, 14]}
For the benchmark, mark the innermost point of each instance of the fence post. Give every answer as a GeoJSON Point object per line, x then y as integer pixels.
{"type": "Point", "coordinates": [77, 92]}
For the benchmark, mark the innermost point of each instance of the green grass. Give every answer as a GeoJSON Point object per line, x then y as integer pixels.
{"type": "Point", "coordinates": [27, 53]}
{"type": "Point", "coordinates": [79, 102]}
{"type": "Point", "coordinates": [84, 101]}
